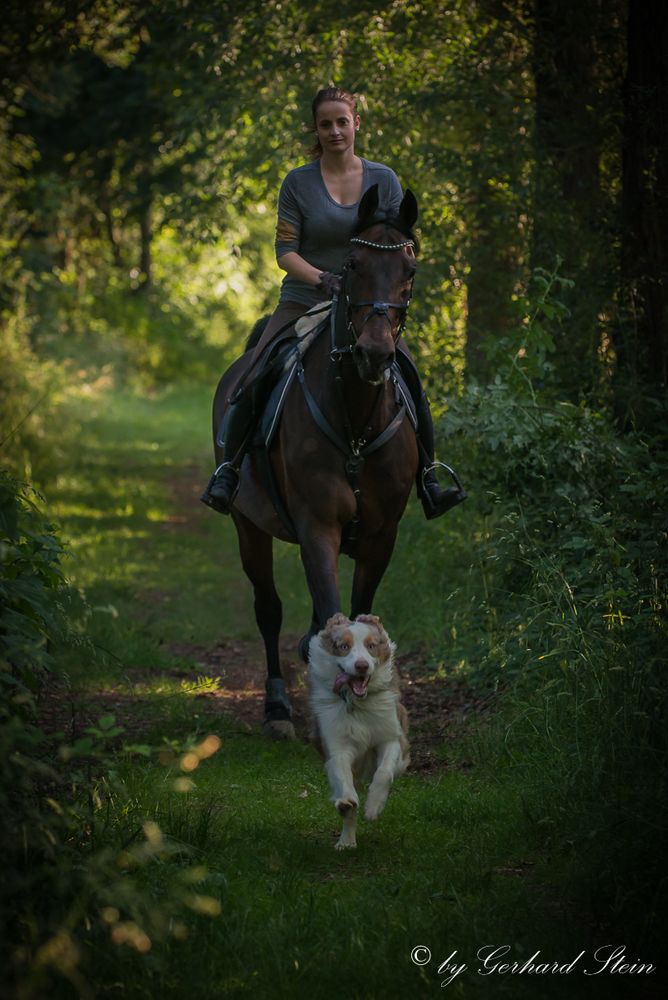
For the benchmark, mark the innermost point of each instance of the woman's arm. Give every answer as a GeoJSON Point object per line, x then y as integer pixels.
{"type": "Point", "coordinates": [298, 268]}
{"type": "Point", "coordinates": [288, 239]}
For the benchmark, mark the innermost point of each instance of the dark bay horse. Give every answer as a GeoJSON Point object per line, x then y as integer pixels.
{"type": "Point", "coordinates": [345, 455]}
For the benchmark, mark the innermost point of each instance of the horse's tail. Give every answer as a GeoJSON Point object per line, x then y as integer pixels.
{"type": "Point", "coordinates": [256, 333]}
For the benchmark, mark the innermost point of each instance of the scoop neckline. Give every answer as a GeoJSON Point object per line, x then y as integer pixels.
{"type": "Point", "coordinates": [338, 204]}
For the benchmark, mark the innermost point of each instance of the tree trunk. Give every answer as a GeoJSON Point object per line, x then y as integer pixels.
{"type": "Point", "coordinates": [114, 242]}
{"type": "Point", "coordinates": [493, 272]}
{"type": "Point", "coordinates": [146, 235]}
{"type": "Point", "coordinates": [642, 338]}
{"type": "Point", "coordinates": [572, 125]}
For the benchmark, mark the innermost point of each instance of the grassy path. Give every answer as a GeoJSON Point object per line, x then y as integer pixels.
{"type": "Point", "coordinates": [234, 849]}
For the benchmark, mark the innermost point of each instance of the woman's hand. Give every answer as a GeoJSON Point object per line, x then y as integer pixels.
{"type": "Point", "coordinates": [329, 285]}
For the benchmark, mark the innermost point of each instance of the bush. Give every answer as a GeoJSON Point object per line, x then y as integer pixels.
{"type": "Point", "coordinates": [25, 384]}
{"type": "Point", "coordinates": [75, 851]}
{"type": "Point", "coordinates": [575, 568]}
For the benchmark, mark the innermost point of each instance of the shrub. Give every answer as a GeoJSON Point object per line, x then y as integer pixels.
{"type": "Point", "coordinates": [75, 851]}
{"type": "Point", "coordinates": [575, 570]}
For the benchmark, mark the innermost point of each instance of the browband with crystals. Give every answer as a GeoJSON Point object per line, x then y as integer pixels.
{"type": "Point", "coordinates": [383, 246]}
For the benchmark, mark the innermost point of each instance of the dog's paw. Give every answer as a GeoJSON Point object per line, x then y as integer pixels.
{"type": "Point", "coordinates": [344, 806]}
{"type": "Point", "coordinates": [373, 808]}
{"type": "Point", "coordinates": [344, 845]}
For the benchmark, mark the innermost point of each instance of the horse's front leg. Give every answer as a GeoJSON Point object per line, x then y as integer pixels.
{"type": "Point", "coordinates": [255, 548]}
{"type": "Point", "coordinates": [320, 558]}
{"type": "Point", "coordinates": [371, 562]}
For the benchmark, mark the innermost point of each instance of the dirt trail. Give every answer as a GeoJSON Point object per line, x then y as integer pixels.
{"type": "Point", "coordinates": [231, 674]}
{"type": "Point", "coordinates": [437, 708]}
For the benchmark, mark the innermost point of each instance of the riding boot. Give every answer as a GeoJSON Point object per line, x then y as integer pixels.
{"type": "Point", "coordinates": [224, 483]}
{"type": "Point", "coordinates": [435, 499]}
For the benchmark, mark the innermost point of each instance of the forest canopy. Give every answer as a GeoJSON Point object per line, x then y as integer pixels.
{"type": "Point", "coordinates": [143, 144]}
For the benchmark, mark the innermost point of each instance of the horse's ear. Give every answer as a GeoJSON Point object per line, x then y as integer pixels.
{"type": "Point", "coordinates": [368, 204]}
{"type": "Point", "coordinates": [408, 210]}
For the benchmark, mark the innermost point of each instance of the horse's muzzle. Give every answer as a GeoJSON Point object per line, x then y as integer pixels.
{"type": "Point", "coordinates": [372, 363]}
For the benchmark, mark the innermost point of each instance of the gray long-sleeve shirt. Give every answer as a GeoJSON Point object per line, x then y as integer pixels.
{"type": "Point", "coordinates": [316, 227]}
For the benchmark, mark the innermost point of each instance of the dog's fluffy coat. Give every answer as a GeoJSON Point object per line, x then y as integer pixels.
{"type": "Point", "coordinates": [360, 725]}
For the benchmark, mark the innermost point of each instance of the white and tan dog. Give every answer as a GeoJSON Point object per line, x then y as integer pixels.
{"type": "Point", "coordinates": [360, 724]}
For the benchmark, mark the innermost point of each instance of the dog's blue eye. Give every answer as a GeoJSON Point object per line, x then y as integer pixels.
{"type": "Point", "coordinates": [344, 647]}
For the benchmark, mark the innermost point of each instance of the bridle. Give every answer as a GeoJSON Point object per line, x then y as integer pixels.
{"type": "Point", "coordinates": [375, 308]}
{"type": "Point", "coordinates": [357, 449]}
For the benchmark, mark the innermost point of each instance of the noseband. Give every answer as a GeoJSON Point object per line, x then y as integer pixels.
{"type": "Point", "coordinates": [375, 308]}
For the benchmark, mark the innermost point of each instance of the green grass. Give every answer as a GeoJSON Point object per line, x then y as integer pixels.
{"type": "Point", "coordinates": [298, 918]}
{"type": "Point", "coordinates": [459, 860]}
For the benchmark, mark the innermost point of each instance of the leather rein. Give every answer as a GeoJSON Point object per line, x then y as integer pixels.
{"type": "Point", "coordinates": [355, 449]}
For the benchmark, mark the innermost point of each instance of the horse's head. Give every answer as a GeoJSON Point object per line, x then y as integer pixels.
{"type": "Point", "coordinates": [378, 283]}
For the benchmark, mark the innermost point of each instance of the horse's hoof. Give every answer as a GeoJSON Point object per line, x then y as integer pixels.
{"type": "Point", "coordinates": [279, 729]}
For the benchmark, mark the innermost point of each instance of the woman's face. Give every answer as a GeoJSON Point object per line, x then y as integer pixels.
{"type": "Point", "coordinates": [336, 125]}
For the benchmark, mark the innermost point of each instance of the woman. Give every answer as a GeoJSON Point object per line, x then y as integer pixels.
{"type": "Point", "coordinates": [317, 212]}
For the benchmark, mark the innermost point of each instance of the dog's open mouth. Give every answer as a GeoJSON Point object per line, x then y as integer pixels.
{"type": "Point", "coordinates": [358, 685]}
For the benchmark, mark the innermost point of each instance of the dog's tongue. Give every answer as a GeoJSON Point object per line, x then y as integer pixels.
{"type": "Point", "coordinates": [358, 684]}
{"type": "Point", "coordinates": [341, 680]}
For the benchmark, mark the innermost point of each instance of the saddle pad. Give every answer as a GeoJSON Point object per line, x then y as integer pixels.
{"type": "Point", "coordinates": [283, 341]}
{"type": "Point", "coordinates": [307, 328]}
{"type": "Point", "coordinates": [274, 407]}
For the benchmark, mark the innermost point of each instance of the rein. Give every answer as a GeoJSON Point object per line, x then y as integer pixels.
{"type": "Point", "coordinates": [354, 449]}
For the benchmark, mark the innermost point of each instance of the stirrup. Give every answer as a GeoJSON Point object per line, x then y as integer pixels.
{"type": "Point", "coordinates": [449, 498]}
{"type": "Point", "coordinates": [216, 503]}
{"type": "Point", "coordinates": [451, 472]}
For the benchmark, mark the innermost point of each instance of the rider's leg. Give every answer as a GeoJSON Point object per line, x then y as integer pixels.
{"type": "Point", "coordinates": [285, 312]}
{"type": "Point", "coordinates": [224, 483]}
{"type": "Point", "coordinates": [435, 499]}
{"type": "Point", "coordinates": [249, 400]}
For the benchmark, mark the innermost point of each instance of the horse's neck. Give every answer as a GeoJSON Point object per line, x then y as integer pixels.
{"type": "Point", "coordinates": [366, 405]}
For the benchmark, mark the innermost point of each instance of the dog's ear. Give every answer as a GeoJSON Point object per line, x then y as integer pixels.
{"type": "Point", "coordinates": [338, 619]}
{"type": "Point", "coordinates": [369, 620]}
